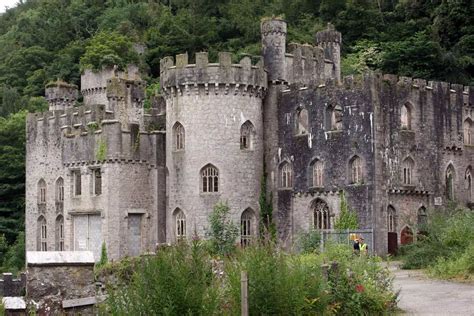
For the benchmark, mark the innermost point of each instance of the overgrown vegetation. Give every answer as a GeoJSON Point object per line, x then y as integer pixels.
{"type": "Point", "coordinates": [222, 231]}
{"type": "Point", "coordinates": [446, 247]}
{"type": "Point", "coordinates": [347, 219]}
{"type": "Point", "coordinates": [184, 279]}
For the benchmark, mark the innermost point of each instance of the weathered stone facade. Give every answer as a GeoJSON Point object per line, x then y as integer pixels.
{"type": "Point", "coordinates": [396, 146]}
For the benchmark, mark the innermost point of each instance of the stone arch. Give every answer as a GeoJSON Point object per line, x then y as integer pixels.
{"type": "Point", "coordinates": [180, 230]}
{"type": "Point", "coordinates": [247, 135]}
{"type": "Point", "coordinates": [356, 169]}
{"type": "Point", "coordinates": [42, 234]}
{"type": "Point", "coordinates": [59, 233]}
{"type": "Point", "coordinates": [178, 136]}
{"type": "Point", "coordinates": [286, 175]}
{"type": "Point", "coordinates": [391, 219]}
{"type": "Point", "coordinates": [406, 235]}
{"type": "Point", "coordinates": [248, 227]}
{"type": "Point", "coordinates": [301, 121]}
{"type": "Point", "coordinates": [321, 214]}
{"type": "Point", "coordinates": [450, 178]}
{"type": "Point", "coordinates": [468, 132]}
{"type": "Point", "coordinates": [333, 118]}
{"type": "Point", "coordinates": [406, 116]}
{"type": "Point", "coordinates": [209, 179]}
{"type": "Point", "coordinates": [408, 167]}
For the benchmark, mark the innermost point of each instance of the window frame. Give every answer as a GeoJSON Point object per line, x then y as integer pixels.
{"type": "Point", "coordinates": [286, 176]}
{"type": "Point", "coordinates": [209, 177]}
{"type": "Point", "coordinates": [356, 168]}
{"type": "Point", "coordinates": [96, 181]}
{"type": "Point", "coordinates": [247, 226]}
{"type": "Point", "coordinates": [76, 183]}
{"type": "Point", "coordinates": [321, 215]}
{"type": "Point", "coordinates": [179, 137]}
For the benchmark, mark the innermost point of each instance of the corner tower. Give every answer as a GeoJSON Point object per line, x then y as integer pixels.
{"type": "Point", "coordinates": [60, 95]}
{"type": "Point", "coordinates": [214, 145]}
{"type": "Point", "coordinates": [330, 41]}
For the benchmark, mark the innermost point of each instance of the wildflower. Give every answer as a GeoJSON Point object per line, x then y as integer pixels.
{"type": "Point", "coordinates": [359, 288]}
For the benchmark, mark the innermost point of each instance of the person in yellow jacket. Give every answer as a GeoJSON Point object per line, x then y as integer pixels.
{"type": "Point", "coordinates": [363, 246]}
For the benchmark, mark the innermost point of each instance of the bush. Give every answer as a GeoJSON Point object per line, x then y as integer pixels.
{"type": "Point", "coordinates": [309, 242]}
{"type": "Point", "coordinates": [178, 281]}
{"type": "Point", "coordinates": [223, 232]}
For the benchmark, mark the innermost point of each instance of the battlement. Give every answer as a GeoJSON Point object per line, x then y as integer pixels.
{"type": "Point", "coordinates": [243, 78]}
{"type": "Point", "coordinates": [94, 83]}
{"type": "Point", "coordinates": [273, 26]}
{"type": "Point", "coordinates": [60, 95]}
{"type": "Point", "coordinates": [329, 35]}
{"type": "Point", "coordinates": [304, 63]}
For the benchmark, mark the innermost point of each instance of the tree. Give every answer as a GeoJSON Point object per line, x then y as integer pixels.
{"type": "Point", "coordinates": [223, 232]}
{"type": "Point", "coordinates": [347, 219]}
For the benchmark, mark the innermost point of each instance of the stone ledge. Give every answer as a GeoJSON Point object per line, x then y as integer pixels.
{"type": "Point", "coordinates": [86, 301]}
{"type": "Point", "coordinates": [14, 303]}
{"type": "Point", "coordinates": [53, 258]}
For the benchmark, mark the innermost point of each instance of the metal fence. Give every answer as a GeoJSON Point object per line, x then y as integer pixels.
{"type": "Point", "coordinates": [347, 236]}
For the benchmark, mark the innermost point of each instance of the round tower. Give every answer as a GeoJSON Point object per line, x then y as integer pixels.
{"type": "Point", "coordinates": [214, 141]}
{"type": "Point", "coordinates": [60, 95]}
{"type": "Point", "coordinates": [330, 41]}
{"type": "Point", "coordinates": [274, 47]}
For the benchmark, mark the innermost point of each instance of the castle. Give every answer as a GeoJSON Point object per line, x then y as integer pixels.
{"type": "Point", "coordinates": [111, 172]}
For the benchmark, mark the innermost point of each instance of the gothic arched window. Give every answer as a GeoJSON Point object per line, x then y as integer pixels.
{"type": "Point", "coordinates": [41, 192]}
{"type": "Point", "coordinates": [286, 176]}
{"type": "Point", "coordinates": [247, 227]}
{"type": "Point", "coordinates": [180, 229]}
{"type": "Point", "coordinates": [356, 170]}
{"type": "Point", "coordinates": [301, 122]}
{"type": "Point", "coordinates": [450, 176]}
{"type": "Point", "coordinates": [408, 167]}
{"type": "Point", "coordinates": [333, 118]}
{"type": "Point", "coordinates": [247, 132]}
{"type": "Point", "coordinates": [178, 130]}
{"type": "Point", "coordinates": [59, 190]}
{"type": "Point", "coordinates": [210, 179]}
{"type": "Point", "coordinates": [317, 173]}
{"type": "Point", "coordinates": [42, 234]}
{"type": "Point", "coordinates": [391, 220]}
{"type": "Point", "coordinates": [406, 117]}
{"type": "Point", "coordinates": [468, 132]}
{"type": "Point", "coordinates": [468, 179]}
{"type": "Point", "coordinates": [60, 233]}
{"type": "Point", "coordinates": [321, 215]}
{"type": "Point", "coordinates": [422, 218]}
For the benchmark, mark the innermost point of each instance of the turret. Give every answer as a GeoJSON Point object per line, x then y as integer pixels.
{"type": "Point", "coordinates": [330, 41]}
{"type": "Point", "coordinates": [274, 48]}
{"type": "Point", "coordinates": [61, 95]}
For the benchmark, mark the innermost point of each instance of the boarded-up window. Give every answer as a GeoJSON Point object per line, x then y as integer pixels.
{"type": "Point", "coordinates": [88, 233]}
{"type": "Point", "coordinates": [134, 234]}
{"type": "Point", "coordinates": [391, 220]}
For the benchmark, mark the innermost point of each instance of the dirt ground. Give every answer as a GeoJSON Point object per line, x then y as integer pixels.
{"type": "Point", "coordinates": [420, 295]}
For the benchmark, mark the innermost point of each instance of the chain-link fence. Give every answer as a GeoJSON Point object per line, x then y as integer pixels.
{"type": "Point", "coordinates": [347, 236]}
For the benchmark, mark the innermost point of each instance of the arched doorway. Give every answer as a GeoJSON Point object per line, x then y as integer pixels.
{"type": "Point", "coordinates": [392, 237]}
{"type": "Point", "coordinates": [406, 236]}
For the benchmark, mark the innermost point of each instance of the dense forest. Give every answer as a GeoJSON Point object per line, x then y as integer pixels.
{"type": "Point", "coordinates": [45, 40]}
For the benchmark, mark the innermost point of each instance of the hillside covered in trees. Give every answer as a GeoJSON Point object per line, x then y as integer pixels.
{"type": "Point", "coordinates": [45, 40]}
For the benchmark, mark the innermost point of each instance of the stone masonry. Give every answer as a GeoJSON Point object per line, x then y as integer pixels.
{"type": "Point", "coordinates": [110, 172]}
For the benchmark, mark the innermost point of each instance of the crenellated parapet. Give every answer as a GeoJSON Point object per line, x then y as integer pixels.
{"type": "Point", "coordinates": [223, 77]}
{"type": "Point", "coordinates": [94, 83]}
{"type": "Point", "coordinates": [304, 63]}
{"type": "Point", "coordinates": [60, 95]}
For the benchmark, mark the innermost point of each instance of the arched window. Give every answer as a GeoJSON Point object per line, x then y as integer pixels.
{"type": "Point", "coordinates": [60, 190]}
{"type": "Point", "coordinates": [408, 167]}
{"type": "Point", "coordinates": [468, 132]}
{"type": "Point", "coordinates": [60, 233]}
{"type": "Point", "coordinates": [41, 192]}
{"type": "Point", "coordinates": [334, 118]}
{"type": "Point", "coordinates": [210, 179]}
{"type": "Point", "coordinates": [391, 220]}
{"type": "Point", "coordinates": [450, 176]}
{"type": "Point", "coordinates": [42, 234]}
{"type": "Point", "coordinates": [247, 227]}
{"type": "Point", "coordinates": [422, 218]}
{"type": "Point", "coordinates": [180, 224]}
{"type": "Point", "coordinates": [321, 215]}
{"type": "Point", "coordinates": [178, 130]}
{"type": "Point", "coordinates": [356, 170]}
{"type": "Point", "coordinates": [286, 176]}
{"type": "Point", "coordinates": [468, 178]}
{"type": "Point", "coordinates": [406, 117]}
{"type": "Point", "coordinates": [317, 168]}
{"type": "Point", "coordinates": [301, 123]}
{"type": "Point", "coordinates": [247, 132]}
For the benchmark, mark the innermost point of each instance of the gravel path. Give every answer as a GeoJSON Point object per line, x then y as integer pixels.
{"type": "Point", "coordinates": [420, 295]}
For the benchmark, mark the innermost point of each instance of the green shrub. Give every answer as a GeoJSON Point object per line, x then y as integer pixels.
{"type": "Point", "coordinates": [177, 281]}
{"type": "Point", "coordinates": [309, 241]}
{"type": "Point", "coordinates": [278, 283]}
